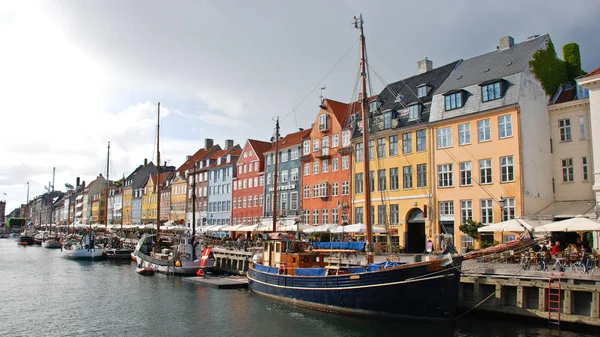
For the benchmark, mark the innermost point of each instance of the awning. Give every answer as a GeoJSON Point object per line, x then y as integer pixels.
{"type": "Point", "coordinates": [319, 229]}
{"type": "Point", "coordinates": [569, 209]}
{"type": "Point", "coordinates": [78, 213]}
{"type": "Point", "coordinates": [578, 224]}
{"type": "Point", "coordinates": [79, 197]}
{"type": "Point", "coordinates": [357, 228]}
{"type": "Point", "coordinates": [512, 225]}
{"type": "Point", "coordinates": [231, 228]}
{"type": "Point", "coordinates": [79, 204]}
{"type": "Point", "coordinates": [248, 228]}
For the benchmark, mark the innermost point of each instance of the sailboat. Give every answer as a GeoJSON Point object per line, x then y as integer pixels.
{"type": "Point", "coordinates": [85, 249]}
{"type": "Point", "coordinates": [290, 271]}
{"type": "Point", "coordinates": [152, 253]}
{"type": "Point", "coordinates": [52, 242]}
{"type": "Point", "coordinates": [24, 239]}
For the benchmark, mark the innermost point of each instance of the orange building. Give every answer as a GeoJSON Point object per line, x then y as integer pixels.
{"type": "Point", "coordinates": [326, 169]}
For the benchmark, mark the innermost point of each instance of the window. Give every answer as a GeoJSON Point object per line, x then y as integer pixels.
{"type": "Point", "coordinates": [305, 150]}
{"type": "Point", "coordinates": [323, 122]}
{"type": "Point", "coordinates": [394, 178]}
{"type": "Point", "coordinates": [382, 180]}
{"type": "Point", "coordinates": [294, 156]}
{"type": "Point", "coordinates": [485, 171]}
{"type": "Point", "coordinates": [445, 175]}
{"type": "Point", "coordinates": [421, 140]}
{"type": "Point", "coordinates": [444, 137]}
{"type": "Point", "coordinates": [394, 215]}
{"type": "Point", "coordinates": [335, 140]}
{"type": "Point", "coordinates": [487, 211]}
{"type": "Point", "coordinates": [413, 112]}
{"type": "Point", "coordinates": [345, 188]}
{"type": "Point", "coordinates": [381, 216]}
{"type": "Point", "coordinates": [407, 143]}
{"type": "Point", "coordinates": [505, 126]}
{"type": "Point", "coordinates": [446, 209]}
{"type": "Point", "coordinates": [490, 92]}
{"type": "Point", "coordinates": [345, 138]}
{"type": "Point", "coordinates": [306, 216]}
{"type": "Point", "coordinates": [358, 214]}
{"type": "Point", "coordinates": [334, 189]}
{"type": "Point", "coordinates": [284, 177]}
{"type": "Point", "coordinates": [315, 216]}
{"type": "Point", "coordinates": [466, 173]}
{"type": "Point", "coordinates": [421, 175]}
{"type": "Point", "coordinates": [422, 91]}
{"type": "Point", "coordinates": [381, 148]}
{"type": "Point", "coordinates": [507, 169]}
{"type": "Point", "coordinates": [372, 106]}
{"type": "Point", "coordinates": [325, 215]}
{"type": "Point", "coordinates": [567, 170]}
{"type": "Point", "coordinates": [371, 181]}
{"type": "Point", "coordinates": [371, 150]}
{"type": "Point", "coordinates": [508, 211]}
{"type": "Point", "coordinates": [581, 127]}
{"type": "Point", "coordinates": [466, 243]}
{"type": "Point", "coordinates": [466, 210]}
{"type": "Point", "coordinates": [325, 166]}
{"type": "Point", "coordinates": [284, 157]}
{"type": "Point", "coordinates": [325, 144]}
{"type": "Point", "coordinates": [306, 191]}
{"type": "Point", "coordinates": [407, 177]}
{"type": "Point", "coordinates": [464, 134]}
{"type": "Point", "coordinates": [359, 152]}
{"type": "Point", "coordinates": [334, 164]}
{"type": "Point", "coordinates": [293, 200]}
{"type": "Point", "coordinates": [316, 167]}
{"type": "Point", "coordinates": [564, 125]}
{"type": "Point", "coordinates": [316, 191]}
{"type": "Point", "coordinates": [359, 183]}
{"type": "Point", "coordinates": [393, 145]}
{"type": "Point", "coordinates": [345, 162]}
{"type": "Point", "coordinates": [334, 216]}
{"type": "Point", "coordinates": [453, 101]}
{"type": "Point", "coordinates": [293, 175]}
{"type": "Point", "coordinates": [306, 169]}
{"type": "Point", "coordinates": [584, 163]}
{"type": "Point", "coordinates": [483, 130]}
{"type": "Point", "coordinates": [387, 120]}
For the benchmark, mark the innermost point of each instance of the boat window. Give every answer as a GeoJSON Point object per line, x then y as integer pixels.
{"type": "Point", "coordinates": [317, 259]}
{"type": "Point", "coordinates": [293, 260]}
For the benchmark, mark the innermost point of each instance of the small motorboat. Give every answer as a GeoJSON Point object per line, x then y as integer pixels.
{"type": "Point", "coordinates": [52, 244]}
{"type": "Point", "coordinates": [145, 270]}
{"type": "Point", "coordinates": [26, 240]}
{"type": "Point", "coordinates": [84, 250]}
{"type": "Point", "coordinates": [118, 253]}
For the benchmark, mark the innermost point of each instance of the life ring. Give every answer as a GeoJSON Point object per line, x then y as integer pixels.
{"type": "Point", "coordinates": [282, 269]}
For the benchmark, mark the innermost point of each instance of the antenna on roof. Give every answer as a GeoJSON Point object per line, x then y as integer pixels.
{"type": "Point", "coordinates": [321, 96]}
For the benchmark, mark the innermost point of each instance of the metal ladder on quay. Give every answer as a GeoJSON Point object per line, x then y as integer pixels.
{"type": "Point", "coordinates": [553, 302]}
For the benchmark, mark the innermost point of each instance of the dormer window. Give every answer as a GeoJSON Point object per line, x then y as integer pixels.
{"type": "Point", "coordinates": [454, 100]}
{"type": "Point", "coordinates": [228, 158]}
{"type": "Point", "coordinates": [414, 112]}
{"type": "Point", "coordinates": [491, 90]}
{"type": "Point", "coordinates": [398, 98]}
{"type": "Point", "coordinates": [219, 161]}
{"type": "Point", "coordinates": [422, 90]}
{"type": "Point", "coordinates": [323, 119]}
{"type": "Point", "coordinates": [582, 92]}
{"type": "Point", "coordinates": [373, 106]}
{"type": "Point", "coordinates": [387, 120]}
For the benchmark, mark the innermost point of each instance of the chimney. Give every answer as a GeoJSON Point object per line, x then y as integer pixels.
{"type": "Point", "coordinates": [165, 163]}
{"type": "Point", "coordinates": [424, 66]}
{"type": "Point", "coordinates": [77, 182]}
{"type": "Point", "coordinates": [188, 157]}
{"type": "Point", "coordinates": [145, 161]}
{"type": "Point", "coordinates": [228, 144]}
{"type": "Point", "coordinates": [208, 143]}
{"type": "Point", "coordinates": [506, 42]}
{"type": "Point", "coordinates": [300, 129]}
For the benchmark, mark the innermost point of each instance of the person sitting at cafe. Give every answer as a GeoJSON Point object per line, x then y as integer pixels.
{"type": "Point", "coordinates": [556, 249]}
{"type": "Point", "coordinates": [582, 246]}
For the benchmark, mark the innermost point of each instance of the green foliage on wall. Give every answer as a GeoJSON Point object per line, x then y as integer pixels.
{"type": "Point", "coordinates": [470, 228]}
{"type": "Point", "coordinates": [572, 59]}
{"type": "Point", "coordinates": [552, 71]}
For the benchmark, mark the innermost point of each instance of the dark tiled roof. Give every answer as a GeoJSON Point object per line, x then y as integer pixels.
{"type": "Point", "coordinates": [198, 156]}
{"type": "Point", "coordinates": [291, 139]}
{"type": "Point", "coordinates": [142, 175]}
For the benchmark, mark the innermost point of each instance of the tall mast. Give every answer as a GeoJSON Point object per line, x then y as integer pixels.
{"type": "Point", "coordinates": [27, 210]}
{"type": "Point", "coordinates": [52, 201]}
{"type": "Point", "coordinates": [358, 23]}
{"type": "Point", "coordinates": [107, 187]}
{"type": "Point", "coordinates": [275, 175]}
{"type": "Point", "coordinates": [194, 201]}
{"type": "Point", "coordinates": [158, 175]}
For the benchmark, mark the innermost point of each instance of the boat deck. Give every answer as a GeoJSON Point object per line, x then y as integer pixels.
{"type": "Point", "coordinates": [219, 282]}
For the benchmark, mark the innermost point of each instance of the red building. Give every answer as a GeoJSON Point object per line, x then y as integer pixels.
{"type": "Point", "coordinates": [248, 186]}
{"type": "Point", "coordinates": [326, 166]}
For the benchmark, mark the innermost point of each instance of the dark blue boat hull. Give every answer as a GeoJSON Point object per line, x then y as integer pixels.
{"type": "Point", "coordinates": [410, 291]}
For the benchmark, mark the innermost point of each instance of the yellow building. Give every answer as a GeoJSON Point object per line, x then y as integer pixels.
{"type": "Point", "coordinates": [127, 195]}
{"type": "Point", "coordinates": [149, 206]}
{"type": "Point", "coordinates": [399, 149]}
{"type": "Point", "coordinates": [178, 199]}
{"type": "Point", "coordinates": [98, 209]}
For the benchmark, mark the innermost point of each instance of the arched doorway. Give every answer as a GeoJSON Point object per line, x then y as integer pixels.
{"type": "Point", "coordinates": [415, 232]}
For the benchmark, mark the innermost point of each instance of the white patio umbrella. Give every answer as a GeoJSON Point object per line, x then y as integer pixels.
{"type": "Point", "coordinates": [248, 228]}
{"type": "Point", "coordinates": [319, 229]}
{"type": "Point", "coordinates": [512, 225]}
{"type": "Point", "coordinates": [232, 228]}
{"type": "Point", "coordinates": [215, 228]}
{"type": "Point", "coordinates": [357, 228]}
{"type": "Point", "coordinates": [577, 224]}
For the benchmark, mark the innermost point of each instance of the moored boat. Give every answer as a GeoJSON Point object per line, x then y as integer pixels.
{"type": "Point", "coordinates": [118, 253]}
{"type": "Point", "coordinates": [26, 240]}
{"type": "Point", "coordinates": [145, 270]}
{"type": "Point", "coordinates": [181, 260]}
{"type": "Point", "coordinates": [52, 244]}
{"type": "Point", "coordinates": [85, 249]}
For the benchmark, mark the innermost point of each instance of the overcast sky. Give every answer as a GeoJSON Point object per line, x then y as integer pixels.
{"type": "Point", "coordinates": [77, 74]}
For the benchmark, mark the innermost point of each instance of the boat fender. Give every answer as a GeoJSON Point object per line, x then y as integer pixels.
{"type": "Point", "coordinates": [282, 269]}
{"type": "Point", "coordinates": [178, 264]}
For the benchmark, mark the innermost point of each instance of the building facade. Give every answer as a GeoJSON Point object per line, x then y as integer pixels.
{"type": "Point", "coordinates": [326, 171]}
{"type": "Point", "coordinates": [138, 181]}
{"type": "Point", "coordinates": [115, 206]}
{"type": "Point", "coordinates": [220, 185]}
{"type": "Point", "coordinates": [248, 185]}
{"type": "Point", "coordinates": [289, 187]}
{"type": "Point", "coordinates": [178, 187]}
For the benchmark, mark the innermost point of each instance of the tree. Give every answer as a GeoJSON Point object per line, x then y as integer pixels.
{"type": "Point", "coordinates": [470, 228]}
{"type": "Point", "coordinates": [119, 183]}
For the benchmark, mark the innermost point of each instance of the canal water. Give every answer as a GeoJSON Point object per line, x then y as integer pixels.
{"type": "Point", "coordinates": [42, 294]}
